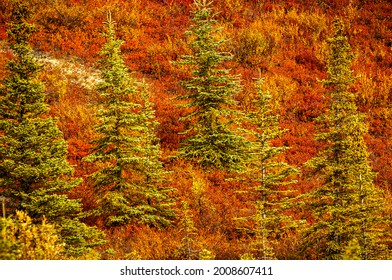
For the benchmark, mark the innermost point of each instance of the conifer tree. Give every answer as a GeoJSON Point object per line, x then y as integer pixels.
{"type": "Point", "coordinates": [214, 138]}
{"type": "Point", "coordinates": [269, 178]}
{"type": "Point", "coordinates": [34, 174]}
{"type": "Point", "coordinates": [347, 208]}
{"type": "Point", "coordinates": [129, 182]}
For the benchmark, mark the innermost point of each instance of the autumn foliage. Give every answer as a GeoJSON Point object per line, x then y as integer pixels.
{"type": "Point", "coordinates": [281, 42]}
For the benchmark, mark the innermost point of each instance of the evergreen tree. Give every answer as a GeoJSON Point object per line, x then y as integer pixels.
{"type": "Point", "coordinates": [129, 182]}
{"type": "Point", "coordinates": [215, 140]}
{"type": "Point", "coordinates": [269, 178]}
{"type": "Point", "coordinates": [347, 208]}
{"type": "Point", "coordinates": [34, 173]}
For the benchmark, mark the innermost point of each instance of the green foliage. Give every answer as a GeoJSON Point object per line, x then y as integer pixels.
{"type": "Point", "coordinates": [269, 177]}
{"type": "Point", "coordinates": [34, 173]}
{"type": "Point", "coordinates": [215, 141]}
{"type": "Point", "coordinates": [130, 178]}
{"type": "Point", "coordinates": [347, 218]}
{"type": "Point", "coordinates": [346, 206]}
{"type": "Point", "coordinates": [80, 240]}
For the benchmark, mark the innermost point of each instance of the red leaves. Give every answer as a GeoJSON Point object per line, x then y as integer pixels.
{"type": "Point", "coordinates": [291, 61]}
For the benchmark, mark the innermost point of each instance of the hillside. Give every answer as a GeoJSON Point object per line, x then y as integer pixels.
{"type": "Point", "coordinates": [282, 42]}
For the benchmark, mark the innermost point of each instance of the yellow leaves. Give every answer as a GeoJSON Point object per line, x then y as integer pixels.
{"type": "Point", "coordinates": [253, 46]}
{"type": "Point", "coordinates": [56, 88]}
{"type": "Point", "coordinates": [68, 88]}
{"type": "Point", "coordinates": [126, 13]}
{"type": "Point", "coordinates": [367, 87]}
{"type": "Point", "coordinates": [151, 243]}
{"type": "Point", "coordinates": [247, 256]}
{"type": "Point", "coordinates": [233, 5]}
{"type": "Point", "coordinates": [374, 93]}
{"type": "Point", "coordinates": [259, 43]}
{"type": "Point", "coordinates": [76, 121]}
{"type": "Point", "coordinates": [198, 184]}
{"type": "Point", "coordinates": [351, 12]}
{"type": "Point", "coordinates": [353, 250]}
{"type": "Point", "coordinates": [134, 255]}
{"type": "Point", "coordinates": [305, 27]}
{"type": "Point", "coordinates": [281, 89]}
{"type": "Point", "coordinates": [206, 255]}
{"type": "Point", "coordinates": [36, 242]}
{"type": "Point", "coordinates": [230, 8]}
{"type": "Point", "coordinates": [292, 25]}
{"type": "Point", "coordinates": [388, 199]}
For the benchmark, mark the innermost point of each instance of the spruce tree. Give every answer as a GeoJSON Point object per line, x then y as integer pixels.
{"type": "Point", "coordinates": [215, 140]}
{"type": "Point", "coordinates": [269, 178]}
{"type": "Point", "coordinates": [347, 208]}
{"type": "Point", "coordinates": [130, 178]}
{"type": "Point", "coordinates": [34, 174]}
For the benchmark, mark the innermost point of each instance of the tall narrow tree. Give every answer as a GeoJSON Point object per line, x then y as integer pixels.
{"type": "Point", "coordinates": [347, 208]}
{"type": "Point", "coordinates": [34, 173]}
{"type": "Point", "coordinates": [129, 181]}
{"type": "Point", "coordinates": [214, 138]}
{"type": "Point", "coordinates": [269, 178]}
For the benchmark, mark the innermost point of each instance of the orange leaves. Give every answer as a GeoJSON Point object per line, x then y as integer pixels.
{"type": "Point", "coordinates": [280, 39]}
{"type": "Point", "coordinates": [3, 35]}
